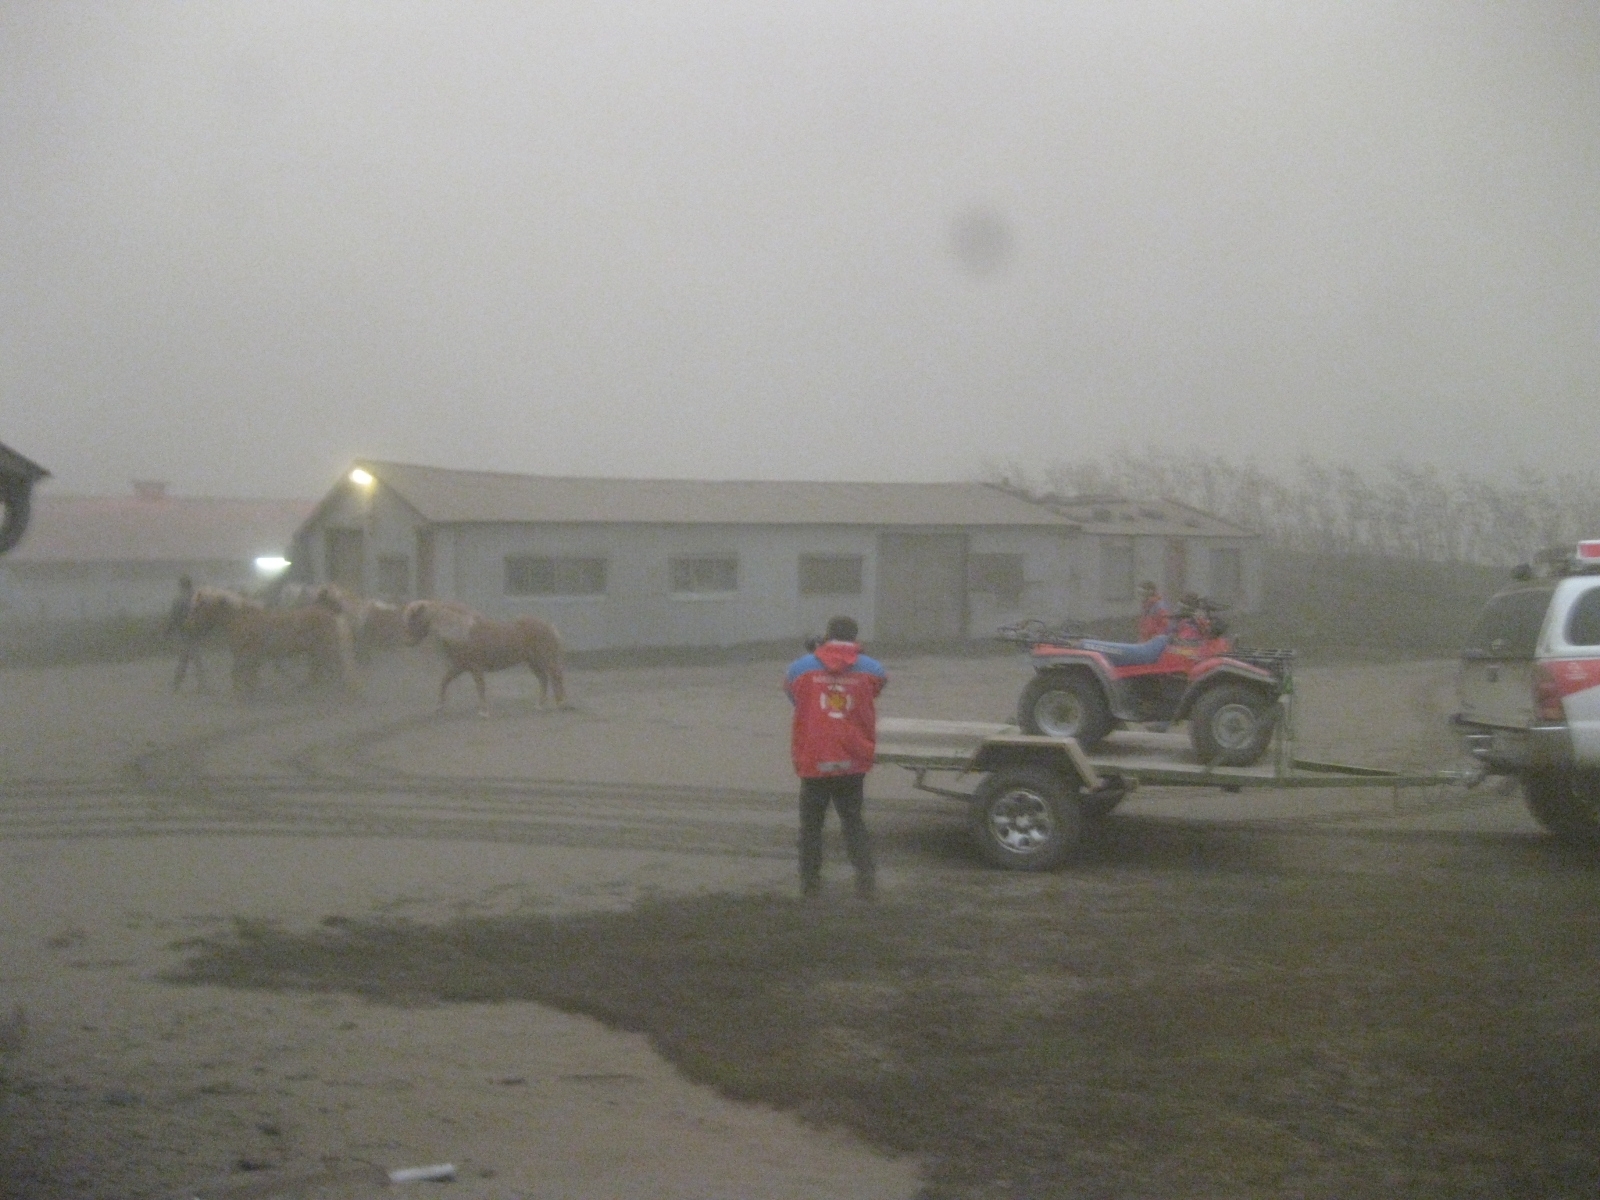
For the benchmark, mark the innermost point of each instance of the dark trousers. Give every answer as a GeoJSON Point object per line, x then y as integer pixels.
{"type": "Point", "coordinates": [189, 652]}
{"type": "Point", "coordinates": [844, 792]}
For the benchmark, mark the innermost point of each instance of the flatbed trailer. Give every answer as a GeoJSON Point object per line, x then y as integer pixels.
{"type": "Point", "coordinates": [1034, 798]}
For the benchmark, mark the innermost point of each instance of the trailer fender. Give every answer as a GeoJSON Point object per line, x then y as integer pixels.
{"type": "Point", "coordinates": [1061, 755]}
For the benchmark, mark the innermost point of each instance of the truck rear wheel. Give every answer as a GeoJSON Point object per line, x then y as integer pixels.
{"type": "Point", "coordinates": [1065, 704]}
{"type": "Point", "coordinates": [1567, 803]}
{"type": "Point", "coordinates": [1027, 819]}
{"type": "Point", "coordinates": [1231, 725]}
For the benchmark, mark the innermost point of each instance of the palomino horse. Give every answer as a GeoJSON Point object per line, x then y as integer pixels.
{"type": "Point", "coordinates": [375, 624]}
{"type": "Point", "coordinates": [473, 644]}
{"type": "Point", "coordinates": [257, 635]}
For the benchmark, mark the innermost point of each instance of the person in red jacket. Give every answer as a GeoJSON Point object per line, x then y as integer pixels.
{"type": "Point", "coordinates": [832, 741]}
{"type": "Point", "coordinates": [1155, 618]}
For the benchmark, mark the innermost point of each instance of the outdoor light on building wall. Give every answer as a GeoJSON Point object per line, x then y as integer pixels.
{"type": "Point", "coordinates": [361, 478]}
{"type": "Point", "coordinates": [271, 564]}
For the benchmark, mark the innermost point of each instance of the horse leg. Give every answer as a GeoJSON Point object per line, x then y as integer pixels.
{"type": "Point", "coordinates": [483, 693]}
{"type": "Point", "coordinates": [544, 682]}
{"type": "Point", "coordinates": [449, 677]}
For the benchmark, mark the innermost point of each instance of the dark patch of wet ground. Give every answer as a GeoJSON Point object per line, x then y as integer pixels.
{"type": "Point", "coordinates": [1192, 1010]}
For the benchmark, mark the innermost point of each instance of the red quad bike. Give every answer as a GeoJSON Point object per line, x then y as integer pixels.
{"type": "Point", "coordinates": [1084, 688]}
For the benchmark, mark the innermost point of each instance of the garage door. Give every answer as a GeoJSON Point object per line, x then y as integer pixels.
{"type": "Point", "coordinates": [922, 587]}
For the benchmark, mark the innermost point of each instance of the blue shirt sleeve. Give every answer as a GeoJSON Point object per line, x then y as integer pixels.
{"type": "Point", "coordinates": [872, 666]}
{"type": "Point", "coordinates": [807, 662]}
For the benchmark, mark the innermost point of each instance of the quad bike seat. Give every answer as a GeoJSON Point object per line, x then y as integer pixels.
{"type": "Point", "coordinates": [1129, 654]}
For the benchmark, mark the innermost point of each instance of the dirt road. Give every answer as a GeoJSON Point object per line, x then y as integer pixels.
{"type": "Point", "coordinates": [131, 819]}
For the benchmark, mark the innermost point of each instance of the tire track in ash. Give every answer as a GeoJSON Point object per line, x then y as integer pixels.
{"type": "Point", "coordinates": [177, 790]}
{"type": "Point", "coordinates": [305, 773]}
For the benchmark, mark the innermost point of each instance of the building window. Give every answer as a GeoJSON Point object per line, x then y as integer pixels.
{"type": "Point", "coordinates": [1116, 569]}
{"type": "Point", "coordinates": [533, 575]}
{"type": "Point", "coordinates": [394, 576]}
{"type": "Point", "coordinates": [1227, 574]}
{"type": "Point", "coordinates": [997, 575]}
{"type": "Point", "coordinates": [698, 576]}
{"type": "Point", "coordinates": [830, 574]}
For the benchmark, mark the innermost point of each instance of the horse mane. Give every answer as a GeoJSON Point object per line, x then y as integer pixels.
{"type": "Point", "coordinates": [449, 620]}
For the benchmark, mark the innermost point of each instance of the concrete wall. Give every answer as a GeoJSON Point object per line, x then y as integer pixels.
{"type": "Point", "coordinates": [640, 606]}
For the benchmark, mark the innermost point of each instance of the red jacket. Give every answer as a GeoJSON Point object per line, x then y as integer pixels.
{"type": "Point", "coordinates": [835, 729]}
{"type": "Point", "coordinates": [1155, 618]}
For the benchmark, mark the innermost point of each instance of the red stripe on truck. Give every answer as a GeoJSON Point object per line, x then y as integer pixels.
{"type": "Point", "coordinates": [1559, 678]}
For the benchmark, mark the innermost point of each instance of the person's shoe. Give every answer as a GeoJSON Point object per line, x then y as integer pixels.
{"type": "Point", "coordinates": [867, 890]}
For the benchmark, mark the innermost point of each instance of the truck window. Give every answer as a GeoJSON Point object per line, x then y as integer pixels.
{"type": "Point", "coordinates": [1583, 626]}
{"type": "Point", "coordinates": [1509, 626]}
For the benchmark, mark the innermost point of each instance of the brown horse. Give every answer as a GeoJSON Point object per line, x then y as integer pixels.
{"type": "Point", "coordinates": [375, 624]}
{"type": "Point", "coordinates": [378, 627]}
{"type": "Point", "coordinates": [257, 635]}
{"type": "Point", "coordinates": [473, 644]}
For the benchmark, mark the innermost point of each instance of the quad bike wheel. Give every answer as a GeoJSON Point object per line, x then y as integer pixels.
{"type": "Point", "coordinates": [1026, 819]}
{"type": "Point", "coordinates": [1567, 803]}
{"type": "Point", "coordinates": [1065, 704]}
{"type": "Point", "coordinates": [1231, 725]}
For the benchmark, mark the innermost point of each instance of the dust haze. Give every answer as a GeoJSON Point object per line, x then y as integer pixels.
{"type": "Point", "coordinates": [245, 244]}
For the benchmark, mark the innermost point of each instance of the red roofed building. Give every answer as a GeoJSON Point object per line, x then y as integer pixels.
{"type": "Point", "coordinates": [105, 556]}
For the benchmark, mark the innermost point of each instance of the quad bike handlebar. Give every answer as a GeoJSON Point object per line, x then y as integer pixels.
{"type": "Point", "coordinates": [1034, 632]}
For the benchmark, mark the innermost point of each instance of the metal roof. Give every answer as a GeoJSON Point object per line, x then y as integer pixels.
{"type": "Point", "coordinates": [1111, 515]}
{"type": "Point", "coordinates": [86, 529]}
{"type": "Point", "coordinates": [445, 497]}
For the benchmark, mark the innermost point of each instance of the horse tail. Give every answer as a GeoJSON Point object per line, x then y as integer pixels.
{"type": "Point", "coordinates": [546, 651]}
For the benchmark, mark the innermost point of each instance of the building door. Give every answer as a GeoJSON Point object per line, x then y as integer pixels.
{"type": "Point", "coordinates": [922, 587]}
{"type": "Point", "coordinates": [346, 558]}
{"type": "Point", "coordinates": [1175, 577]}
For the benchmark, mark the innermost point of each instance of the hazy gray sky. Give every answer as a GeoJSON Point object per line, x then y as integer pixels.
{"type": "Point", "coordinates": [245, 242]}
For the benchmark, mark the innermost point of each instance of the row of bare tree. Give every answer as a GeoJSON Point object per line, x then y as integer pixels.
{"type": "Point", "coordinates": [1399, 509]}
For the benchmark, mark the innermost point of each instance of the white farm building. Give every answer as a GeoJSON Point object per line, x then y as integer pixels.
{"type": "Point", "coordinates": [618, 563]}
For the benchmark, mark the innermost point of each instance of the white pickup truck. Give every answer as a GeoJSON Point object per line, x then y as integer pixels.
{"type": "Point", "coordinates": [1529, 691]}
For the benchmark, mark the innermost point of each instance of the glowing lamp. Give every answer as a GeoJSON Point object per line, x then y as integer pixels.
{"type": "Point", "coordinates": [361, 478]}
{"type": "Point", "coordinates": [271, 564]}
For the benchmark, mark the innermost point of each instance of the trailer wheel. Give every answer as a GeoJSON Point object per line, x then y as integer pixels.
{"type": "Point", "coordinates": [1062, 704]}
{"type": "Point", "coordinates": [1567, 803]}
{"type": "Point", "coordinates": [1231, 725]}
{"type": "Point", "coordinates": [1027, 819]}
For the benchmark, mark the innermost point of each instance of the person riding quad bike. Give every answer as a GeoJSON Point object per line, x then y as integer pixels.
{"type": "Point", "coordinates": [1084, 688]}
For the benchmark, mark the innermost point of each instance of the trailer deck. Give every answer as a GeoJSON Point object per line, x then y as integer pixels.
{"type": "Point", "coordinates": [1033, 798]}
{"type": "Point", "coordinates": [1139, 757]}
